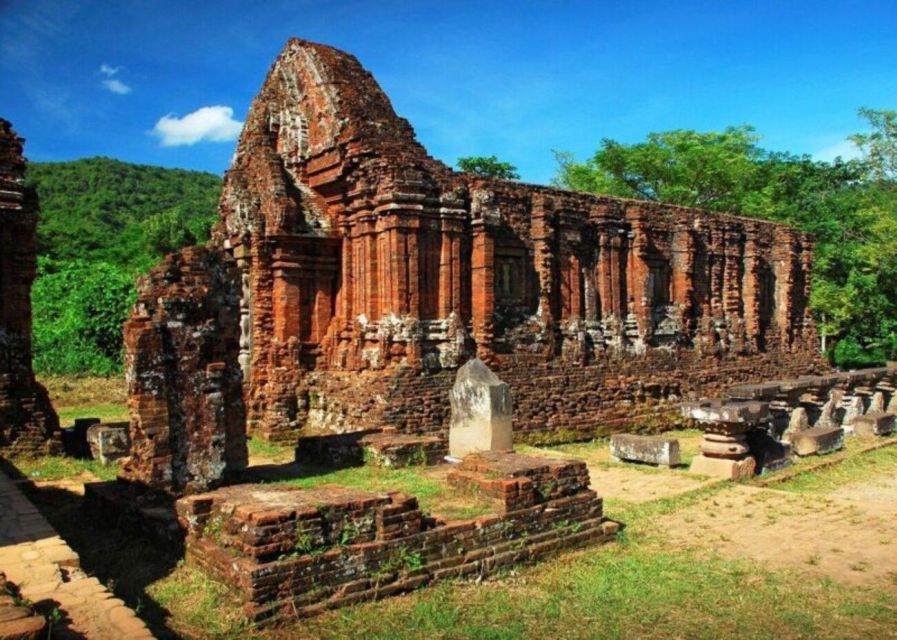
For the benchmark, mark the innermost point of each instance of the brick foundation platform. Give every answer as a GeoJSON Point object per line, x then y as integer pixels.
{"type": "Point", "coordinates": [385, 448]}
{"type": "Point", "coordinates": [296, 552]}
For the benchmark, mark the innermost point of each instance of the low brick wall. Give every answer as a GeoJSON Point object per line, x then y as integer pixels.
{"type": "Point", "coordinates": [293, 552]}
{"type": "Point", "coordinates": [555, 400]}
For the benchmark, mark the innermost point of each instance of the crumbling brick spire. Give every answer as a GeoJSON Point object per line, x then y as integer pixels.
{"type": "Point", "coordinates": [28, 423]}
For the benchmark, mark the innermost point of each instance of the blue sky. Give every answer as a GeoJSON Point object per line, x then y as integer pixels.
{"type": "Point", "coordinates": [514, 79]}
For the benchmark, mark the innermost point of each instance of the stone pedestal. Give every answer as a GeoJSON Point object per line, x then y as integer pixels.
{"type": "Point", "coordinates": [725, 452]}
{"type": "Point", "coordinates": [481, 411]}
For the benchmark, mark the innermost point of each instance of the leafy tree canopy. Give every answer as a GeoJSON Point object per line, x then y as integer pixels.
{"type": "Point", "coordinates": [489, 167]}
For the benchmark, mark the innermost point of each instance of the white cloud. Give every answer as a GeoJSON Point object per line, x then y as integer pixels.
{"type": "Point", "coordinates": [113, 84]}
{"type": "Point", "coordinates": [117, 86]}
{"type": "Point", "coordinates": [846, 149]}
{"type": "Point", "coordinates": [213, 124]}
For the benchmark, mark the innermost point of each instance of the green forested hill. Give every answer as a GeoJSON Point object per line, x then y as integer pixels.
{"type": "Point", "coordinates": [128, 215]}
{"type": "Point", "coordinates": [104, 222]}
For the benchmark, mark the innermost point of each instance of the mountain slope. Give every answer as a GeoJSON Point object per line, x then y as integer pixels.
{"type": "Point", "coordinates": [129, 215]}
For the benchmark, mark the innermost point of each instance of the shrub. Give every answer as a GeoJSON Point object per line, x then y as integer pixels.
{"type": "Point", "coordinates": [79, 308]}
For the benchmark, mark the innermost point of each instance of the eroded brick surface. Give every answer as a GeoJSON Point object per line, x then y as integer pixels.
{"type": "Point", "coordinates": [367, 272]}
{"type": "Point", "coordinates": [184, 384]}
{"type": "Point", "coordinates": [28, 423]}
{"type": "Point", "coordinates": [295, 552]}
{"type": "Point", "coordinates": [359, 252]}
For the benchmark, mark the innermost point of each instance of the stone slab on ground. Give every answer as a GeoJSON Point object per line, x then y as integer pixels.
{"type": "Point", "coordinates": [818, 441]}
{"type": "Point", "coordinates": [46, 572]}
{"type": "Point", "coordinates": [108, 441]}
{"type": "Point", "coordinates": [649, 449]}
{"type": "Point", "coordinates": [724, 468]}
{"type": "Point", "coordinates": [395, 450]}
{"type": "Point", "coordinates": [876, 423]}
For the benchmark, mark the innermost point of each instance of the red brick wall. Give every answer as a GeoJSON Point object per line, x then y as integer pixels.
{"type": "Point", "coordinates": [28, 424]}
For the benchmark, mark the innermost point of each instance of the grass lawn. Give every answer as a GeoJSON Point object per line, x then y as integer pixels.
{"type": "Point", "coordinates": [49, 468]}
{"type": "Point", "coordinates": [87, 397]}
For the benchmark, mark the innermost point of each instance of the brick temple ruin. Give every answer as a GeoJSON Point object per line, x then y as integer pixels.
{"type": "Point", "coordinates": [28, 424]}
{"type": "Point", "coordinates": [354, 273]}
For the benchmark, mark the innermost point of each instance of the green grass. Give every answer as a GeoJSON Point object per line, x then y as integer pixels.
{"type": "Point", "coordinates": [199, 606]}
{"type": "Point", "coordinates": [50, 468]}
{"type": "Point", "coordinates": [105, 412]}
{"type": "Point", "coordinates": [625, 591]}
{"type": "Point", "coordinates": [433, 494]}
{"type": "Point", "coordinates": [597, 452]}
{"type": "Point", "coordinates": [853, 468]}
{"type": "Point", "coordinates": [269, 451]}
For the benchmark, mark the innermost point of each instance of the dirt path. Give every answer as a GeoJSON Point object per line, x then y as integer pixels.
{"type": "Point", "coordinates": [852, 541]}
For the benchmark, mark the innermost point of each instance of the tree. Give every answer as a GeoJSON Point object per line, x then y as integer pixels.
{"type": "Point", "coordinates": [167, 232]}
{"type": "Point", "coordinates": [879, 147]}
{"type": "Point", "coordinates": [489, 167]}
{"type": "Point", "coordinates": [712, 170]}
{"type": "Point", "coordinates": [79, 308]}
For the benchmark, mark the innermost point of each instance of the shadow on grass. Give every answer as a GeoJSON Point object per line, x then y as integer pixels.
{"type": "Point", "coordinates": [124, 562]}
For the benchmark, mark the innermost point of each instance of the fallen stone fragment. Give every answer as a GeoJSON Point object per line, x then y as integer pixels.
{"type": "Point", "coordinates": [649, 449]}
{"type": "Point", "coordinates": [818, 441]}
{"type": "Point", "coordinates": [108, 441]}
{"type": "Point", "coordinates": [724, 468]}
{"type": "Point", "coordinates": [876, 423]}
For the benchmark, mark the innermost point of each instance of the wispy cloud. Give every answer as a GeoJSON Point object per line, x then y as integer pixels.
{"type": "Point", "coordinates": [117, 86]}
{"type": "Point", "coordinates": [211, 124]}
{"type": "Point", "coordinates": [111, 83]}
{"type": "Point", "coordinates": [846, 150]}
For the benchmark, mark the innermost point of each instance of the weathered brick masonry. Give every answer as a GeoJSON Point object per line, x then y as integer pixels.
{"type": "Point", "coordinates": [295, 552]}
{"type": "Point", "coordinates": [368, 271]}
{"type": "Point", "coordinates": [28, 423]}
{"type": "Point", "coordinates": [184, 385]}
{"type": "Point", "coordinates": [361, 253]}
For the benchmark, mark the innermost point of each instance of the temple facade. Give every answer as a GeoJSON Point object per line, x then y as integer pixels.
{"type": "Point", "coordinates": [365, 272]}
{"type": "Point", "coordinates": [359, 252]}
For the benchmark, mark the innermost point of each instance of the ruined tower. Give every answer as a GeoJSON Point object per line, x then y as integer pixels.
{"type": "Point", "coordinates": [365, 272]}
{"type": "Point", "coordinates": [28, 424]}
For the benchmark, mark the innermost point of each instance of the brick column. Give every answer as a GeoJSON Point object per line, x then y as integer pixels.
{"type": "Point", "coordinates": [483, 284]}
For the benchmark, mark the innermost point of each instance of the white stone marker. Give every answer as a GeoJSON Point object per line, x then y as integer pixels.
{"type": "Point", "coordinates": [481, 411]}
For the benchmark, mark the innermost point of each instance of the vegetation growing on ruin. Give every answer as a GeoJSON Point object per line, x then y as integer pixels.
{"type": "Point", "coordinates": [850, 206]}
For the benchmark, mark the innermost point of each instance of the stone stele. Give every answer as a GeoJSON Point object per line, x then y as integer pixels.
{"type": "Point", "coordinates": [481, 411]}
